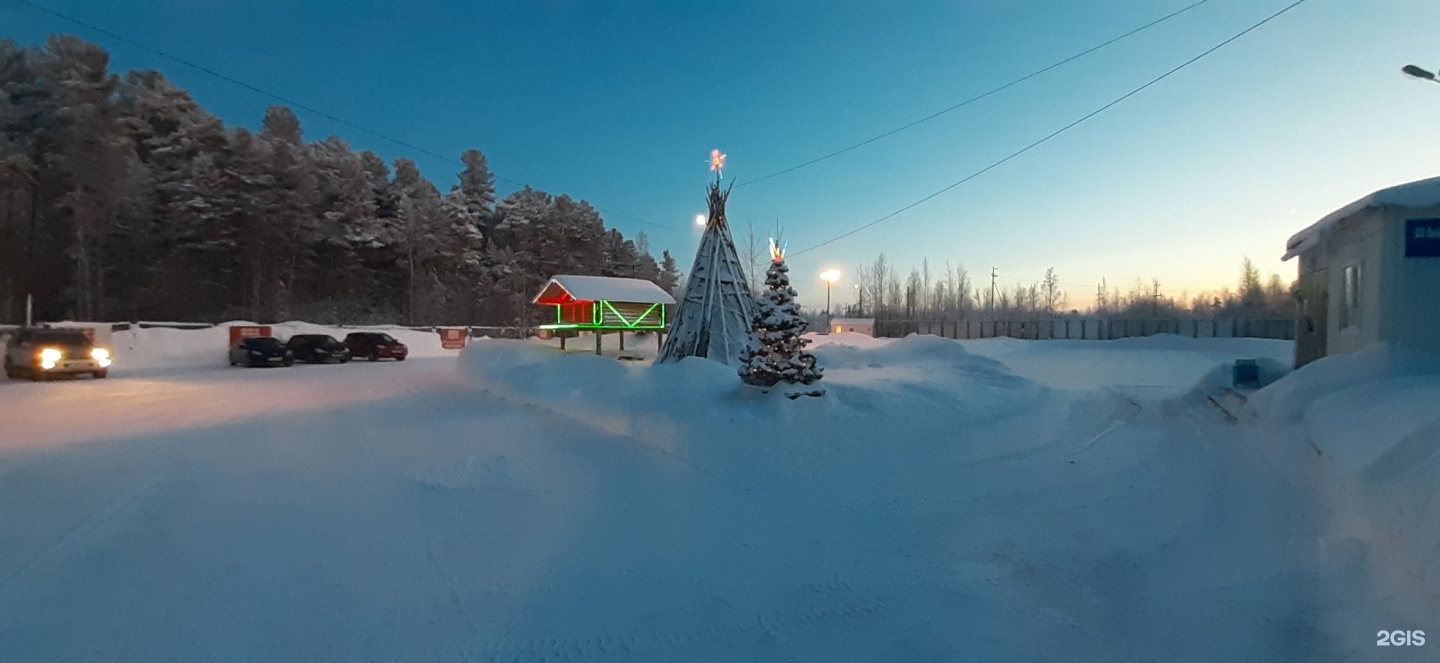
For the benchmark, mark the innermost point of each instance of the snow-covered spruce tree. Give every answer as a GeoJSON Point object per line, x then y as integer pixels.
{"type": "Point", "coordinates": [780, 358]}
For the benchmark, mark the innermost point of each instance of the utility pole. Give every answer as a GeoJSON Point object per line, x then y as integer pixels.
{"type": "Point", "coordinates": [992, 291]}
{"type": "Point", "coordinates": [1155, 300]}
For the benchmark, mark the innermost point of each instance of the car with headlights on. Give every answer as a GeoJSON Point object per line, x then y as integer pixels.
{"type": "Point", "coordinates": [261, 351]}
{"type": "Point", "coordinates": [317, 348]}
{"type": "Point", "coordinates": [41, 353]}
{"type": "Point", "coordinates": [375, 346]}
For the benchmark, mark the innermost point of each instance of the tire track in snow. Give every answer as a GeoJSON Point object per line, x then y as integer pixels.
{"type": "Point", "coordinates": [93, 526]}
{"type": "Point", "coordinates": [825, 606]}
{"type": "Point", "coordinates": [607, 423]}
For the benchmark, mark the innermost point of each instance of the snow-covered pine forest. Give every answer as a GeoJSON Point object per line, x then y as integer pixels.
{"type": "Point", "coordinates": [122, 199]}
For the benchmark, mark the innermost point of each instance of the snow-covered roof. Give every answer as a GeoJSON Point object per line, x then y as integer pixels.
{"type": "Point", "coordinates": [601, 288]}
{"type": "Point", "coordinates": [852, 321]}
{"type": "Point", "coordinates": [1422, 193]}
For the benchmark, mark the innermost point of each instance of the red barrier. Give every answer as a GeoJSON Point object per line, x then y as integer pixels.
{"type": "Point", "coordinates": [453, 338]}
{"type": "Point", "coordinates": [238, 332]}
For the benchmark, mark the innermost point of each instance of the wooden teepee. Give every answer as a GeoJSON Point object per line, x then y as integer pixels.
{"type": "Point", "coordinates": [713, 319]}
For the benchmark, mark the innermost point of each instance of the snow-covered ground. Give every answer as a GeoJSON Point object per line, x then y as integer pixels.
{"type": "Point", "coordinates": [991, 500]}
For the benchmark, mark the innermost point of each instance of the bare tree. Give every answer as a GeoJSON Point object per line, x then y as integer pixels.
{"type": "Point", "coordinates": [893, 289]}
{"type": "Point", "coordinates": [880, 272]}
{"type": "Point", "coordinates": [923, 298]}
{"type": "Point", "coordinates": [1050, 290]}
{"type": "Point", "coordinates": [914, 292]}
{"type": "Point", "coordinates": [862, 287]}
{"type": "Point", "coordinates": [751, 250]}
{"type": "Point", "coordinates": [961, 291]}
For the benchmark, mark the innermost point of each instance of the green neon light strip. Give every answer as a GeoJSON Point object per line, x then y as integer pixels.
{"type": "Point", "coordinates": [603, 327]}
{"type": "Point", "coordinates": [639, 319]}
{"type": "Point", "coordinates": [597, 319]}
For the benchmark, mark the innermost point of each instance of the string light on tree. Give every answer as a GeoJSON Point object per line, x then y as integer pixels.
{"type": "Point", "coordinates": [777, 251]}
{"type": "Point", "coordinates": [778, 360]}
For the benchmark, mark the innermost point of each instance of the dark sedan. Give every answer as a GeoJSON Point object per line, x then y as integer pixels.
{"type": "Point", "coordinates": [317, 348]}
{"type": "Point", "coordinates": [375, 346]}
{"type": "Point", "coordinates": [263, 351]}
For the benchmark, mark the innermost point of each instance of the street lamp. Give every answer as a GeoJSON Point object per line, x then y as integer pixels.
{"type": "Point", "coordinates": [861, 293]}
{"type": "Point", "coordinates": [1412, 70]}
{"type": "Point", "coordinates": [829, 276]}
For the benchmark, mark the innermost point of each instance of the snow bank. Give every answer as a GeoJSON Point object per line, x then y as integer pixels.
{"type": "Point", "coordinates": [1356, 408]}
{"type": "Point", "coordinates": [161, 349]}
{"type": "Point", "coordinates": [1372, 417]}
{"type": "Point", "coordinates": [868, 384]}
{"type": "Point", "coordinates": [1222, 376]}
{"type": "Point", "coordinates": [1159, 367]}
{"type": "Point", "coordinates": [1288, 400]}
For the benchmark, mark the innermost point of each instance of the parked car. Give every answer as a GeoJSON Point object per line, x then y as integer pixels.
{"type": "Point", "coordinates": [317, 348]}
{"type": "Point", "coordinates": [39, 353]}
{"type": "Point", "coordinates": [375, 346]}
{"type": "Point", "coordinates": [261, 351]}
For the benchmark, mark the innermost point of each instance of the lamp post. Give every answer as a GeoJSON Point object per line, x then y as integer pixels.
{"type": "Point", "coordinates": [1416, 72]}
{"type": "Point", "coordinates": [829, 276]}
{"type": "Point", "coordinates": [861, 292]}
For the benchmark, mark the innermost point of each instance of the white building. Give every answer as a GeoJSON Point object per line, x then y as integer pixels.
{"type": "Point", "coordinates": [864, 326]}
{"type": "Point", "coordinates": [1370, 272]}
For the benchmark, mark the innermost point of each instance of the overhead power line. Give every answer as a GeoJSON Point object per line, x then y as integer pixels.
{"type": "Point", "coordinates": [295, 104]}
{"type": "Point", "coordinates": [974, 99]}
{"type": "Point", "coordinates": [1057, 132]}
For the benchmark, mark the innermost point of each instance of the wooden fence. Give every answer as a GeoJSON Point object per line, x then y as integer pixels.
{"type": "Point", "coordinates": [1092, 328]}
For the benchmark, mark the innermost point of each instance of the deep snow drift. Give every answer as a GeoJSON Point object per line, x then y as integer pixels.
{"type": "Point", "coordinates": [985, 500]}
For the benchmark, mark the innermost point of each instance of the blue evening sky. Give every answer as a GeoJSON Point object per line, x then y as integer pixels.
{"type": "Point", "coordinates": [620, 103]}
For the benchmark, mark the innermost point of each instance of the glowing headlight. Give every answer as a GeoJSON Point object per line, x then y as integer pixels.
{"type": "Point", "coordinates": [48, 358]}
{"type": "Point", "coordinates": [101, 356]}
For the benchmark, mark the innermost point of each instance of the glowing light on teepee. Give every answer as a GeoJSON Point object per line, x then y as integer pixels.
{"type": "Point", "coordinates": [717, 162]}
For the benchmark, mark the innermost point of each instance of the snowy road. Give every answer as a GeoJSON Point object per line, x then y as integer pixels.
{"type": "Point", "coordinates": [402, 512]}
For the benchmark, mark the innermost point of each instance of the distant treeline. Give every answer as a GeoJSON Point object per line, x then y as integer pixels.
{"type": "Point", "coordinates": [953, 294]}
{"type": "Point", "coordinates": [122, 199]}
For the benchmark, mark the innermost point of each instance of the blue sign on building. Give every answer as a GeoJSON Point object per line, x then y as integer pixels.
{"type": "Point", "coordinates": [1422, 238]}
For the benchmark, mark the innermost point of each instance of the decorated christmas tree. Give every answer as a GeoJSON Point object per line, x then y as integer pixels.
{"type": "Point", "coordinates": [779, 359]}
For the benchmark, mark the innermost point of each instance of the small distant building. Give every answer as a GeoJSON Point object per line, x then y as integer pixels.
{"type": "Point", "coordinates": [1370, 273]}
{"type": "Point", "coordinates": [864, 326]}
{"type": "Point", "coordinates": [601, 304]}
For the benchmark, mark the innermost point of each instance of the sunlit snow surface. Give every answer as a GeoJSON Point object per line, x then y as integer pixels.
{"type": "Point", "coordinates": [991, 500]}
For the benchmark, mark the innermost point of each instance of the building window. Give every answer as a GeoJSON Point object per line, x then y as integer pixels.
{"type": "Point", "coordinates": [1350, 299]}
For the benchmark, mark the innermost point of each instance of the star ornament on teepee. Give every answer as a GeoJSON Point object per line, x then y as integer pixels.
{"type": "Point", "coordinates": [717, 163]}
